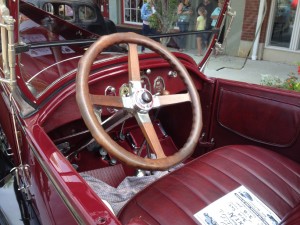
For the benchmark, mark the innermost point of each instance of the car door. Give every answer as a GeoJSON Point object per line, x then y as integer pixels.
{"type": "Point", "coordinates": [245, 113]}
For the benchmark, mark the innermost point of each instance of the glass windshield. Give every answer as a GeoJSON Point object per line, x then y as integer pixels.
{"type": "Point", "coordinates": [46, 65]}
{"type": "Point", "coordinates": [192, 35]}
{"type": "Point", "coordinates": [270, 33]}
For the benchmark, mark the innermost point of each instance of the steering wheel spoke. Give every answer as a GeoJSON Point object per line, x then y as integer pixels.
{"type": "Point", "coordinates": [106, 100]}
{"type": "Point", "coordinates": [133, 63]}
{"type": "Point", "coordinates": [149, 132]}
{"type": "Point", "coordinates": [164, 100]}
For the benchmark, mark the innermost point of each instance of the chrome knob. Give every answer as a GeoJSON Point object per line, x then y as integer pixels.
{"type": "Point", "coordinates": [146, 97]}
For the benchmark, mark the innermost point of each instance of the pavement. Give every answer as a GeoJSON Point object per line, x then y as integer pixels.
{"type": "Point", "coordinates": [240, 69]}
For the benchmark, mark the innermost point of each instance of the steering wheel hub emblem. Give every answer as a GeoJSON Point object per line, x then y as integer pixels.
{"type": "Point", "coordinates": [146, 97]}
{"type": "Point", "coordinates": [143, 100]}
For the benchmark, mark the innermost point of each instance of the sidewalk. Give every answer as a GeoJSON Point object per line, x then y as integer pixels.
{"type": "Point", "coordinates": [232, 68]}
{"type": "Point", "coordinates": [240, 69]}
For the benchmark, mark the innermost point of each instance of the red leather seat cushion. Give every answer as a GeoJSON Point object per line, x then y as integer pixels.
{"type": "Point", "coordinates": [175, 198]}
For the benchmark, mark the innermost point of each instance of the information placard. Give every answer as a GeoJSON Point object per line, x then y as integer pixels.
{"type": "Point", "coordinates": [238, 207]}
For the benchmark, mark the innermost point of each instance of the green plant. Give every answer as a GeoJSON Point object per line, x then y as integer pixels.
{"type": "Point", "coordinates": [155, 23]}
{"type": "Point", "coordinates": [165, 17]}
{"type": "Point", "coordinates": [270, 80]}
{"type": "Point", "coordinates": [290, 83]}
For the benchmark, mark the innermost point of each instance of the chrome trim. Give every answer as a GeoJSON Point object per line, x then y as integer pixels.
{"type": "Point", "coordinates": [67, 74]}
{"type": "Point", "coordinates": [48, 67]}
{"type": "Point", "coordinates": [8, 46]}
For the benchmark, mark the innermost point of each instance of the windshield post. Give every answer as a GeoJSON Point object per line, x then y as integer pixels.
{"type": "Point", "coordinates": [8, 46]}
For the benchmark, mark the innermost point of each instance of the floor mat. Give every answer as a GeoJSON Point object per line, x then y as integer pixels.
{"type": "Point", "coordinates": [117, 196]}
{"type": "Point", "coordinates": [112, 175]}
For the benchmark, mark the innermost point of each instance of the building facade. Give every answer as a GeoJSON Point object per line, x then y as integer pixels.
{"type": "Point", "coordinates": [262, 29]}
{"type": "Point", "coordinates": [277, 30]}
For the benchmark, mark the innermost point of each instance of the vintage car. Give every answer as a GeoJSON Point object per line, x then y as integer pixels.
{"type": "Point", "coordinates": [94, 135]}
{"type": "Point", "coordinates": [85, 14]}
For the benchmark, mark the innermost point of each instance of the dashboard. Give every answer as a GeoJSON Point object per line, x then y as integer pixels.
{"type": "Point", "coordinates": [115, 83]}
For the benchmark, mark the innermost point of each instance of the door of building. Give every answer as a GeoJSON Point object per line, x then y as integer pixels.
{"type": "Point", "coordinates": [285, 29]}
{"type": "Point", "coordinates": [104, 7]}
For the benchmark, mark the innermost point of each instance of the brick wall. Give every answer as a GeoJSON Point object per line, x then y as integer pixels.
{"type": "Point", "coordinates": [250, 20]}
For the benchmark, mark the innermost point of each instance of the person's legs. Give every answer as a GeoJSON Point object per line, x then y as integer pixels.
{"type": "Point", "coordinates": [204, 42]}
{"type": "Point", "coordinates": [186, 28]}
{"type": "Point", "coordinates": [145, 31]}
{"type": "Point", "coordinates": [183, 27]}
{"type": "Point", "coordinates": [208, 37]}
{"type": "Point", "coordinates": [199, 45]}
{"type": "Point", "coordinates": [154, 32]}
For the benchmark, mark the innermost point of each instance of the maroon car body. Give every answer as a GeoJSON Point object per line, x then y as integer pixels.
{"type": "Point", "coordinates": [47, 144]}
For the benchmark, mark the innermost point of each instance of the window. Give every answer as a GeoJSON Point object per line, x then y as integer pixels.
{"type": "Point", "coordinates": [66, 12]}
{"type": "Point", "coordinates": [62, 10]}
{"type": "Point", "coordinates": [284, 29]}
{"type": "Point", "coordinates": [86, 13]}
{"type": "Point", "coordinates": [132, 11]}
{"type": "Point", "coordinates": [48, 7]}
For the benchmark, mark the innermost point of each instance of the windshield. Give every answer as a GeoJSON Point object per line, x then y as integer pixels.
{"type": "Point", "coordinates": [48, 64]}
{"type": "Point", "coordinates": [56, 45]}
{"type": "Point", "coordinates": [269, 32]}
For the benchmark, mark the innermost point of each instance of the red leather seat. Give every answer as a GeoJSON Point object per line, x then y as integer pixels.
{"type": "Point", "coordinates": [175, 198]}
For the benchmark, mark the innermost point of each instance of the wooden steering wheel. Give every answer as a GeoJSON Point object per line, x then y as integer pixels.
{"type": "Point", "coordinates": [138, 103]}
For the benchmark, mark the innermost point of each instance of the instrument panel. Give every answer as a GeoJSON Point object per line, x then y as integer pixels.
{"type": "Point", "coordinates": [157, 86]}
{"type": "Point", "coordinates": [157, 82]}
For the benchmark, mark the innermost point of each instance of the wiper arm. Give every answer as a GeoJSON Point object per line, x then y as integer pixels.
{"type": "Point", "coordinates": [26, 47]}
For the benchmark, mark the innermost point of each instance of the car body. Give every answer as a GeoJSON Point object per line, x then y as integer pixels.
{"type": "Point", "coordinates": [84, 14]}
{"type": "Point", "coordinates": [79, 116]}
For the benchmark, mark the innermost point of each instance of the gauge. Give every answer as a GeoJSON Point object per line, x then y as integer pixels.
{"type": "Point", "coordinates": [159, 85]}
{"type": "Point", "coordinates": [124, 90]}
{"type": "Point", "coordinates": [110, 91]}
{"type": "Point", "coordinates": [146, 83]}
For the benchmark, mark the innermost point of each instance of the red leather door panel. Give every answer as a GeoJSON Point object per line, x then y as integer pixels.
{"type": "Point", "coordinates": [252, 114]}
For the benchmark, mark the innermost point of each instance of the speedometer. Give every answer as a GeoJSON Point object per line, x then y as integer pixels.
{"type": "Point", "coordinates": [146, 83]}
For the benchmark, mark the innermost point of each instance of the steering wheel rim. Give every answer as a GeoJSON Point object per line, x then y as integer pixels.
{"type": "Point", "coordinates": [85, 101]}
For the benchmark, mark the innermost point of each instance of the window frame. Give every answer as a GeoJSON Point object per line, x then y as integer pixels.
{"type": "Point", "coordinates": [138, 10]}
{"type": "Point", "coordinates": [294, 45]}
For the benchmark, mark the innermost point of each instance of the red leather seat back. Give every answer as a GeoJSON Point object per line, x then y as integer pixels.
{"type": "Point", "coordinates": [175, 198]}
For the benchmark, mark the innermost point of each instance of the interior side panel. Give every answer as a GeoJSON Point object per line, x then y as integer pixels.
{"type": "Point", "coordinates": [246, 114]}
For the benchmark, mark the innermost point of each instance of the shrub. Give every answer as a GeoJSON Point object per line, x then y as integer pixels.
{"type": "Point", "coordinates": [290, 83]}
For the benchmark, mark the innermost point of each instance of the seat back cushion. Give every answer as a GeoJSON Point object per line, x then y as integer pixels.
{"type": "Point", "coordinates": [175, 198]}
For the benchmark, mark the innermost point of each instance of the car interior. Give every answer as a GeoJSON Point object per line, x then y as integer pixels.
{"type": "Point", "coordinates": [150, 136]}
{"type": "Point", "coordinates": [240, 144]}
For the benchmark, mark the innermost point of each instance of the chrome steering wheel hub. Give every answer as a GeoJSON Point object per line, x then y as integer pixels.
{"type": "Point", "coordinates": [143, 100]}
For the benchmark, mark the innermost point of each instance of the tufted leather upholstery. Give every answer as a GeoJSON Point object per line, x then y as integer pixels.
{"type": "Point", "coordinates": [175, 198]}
